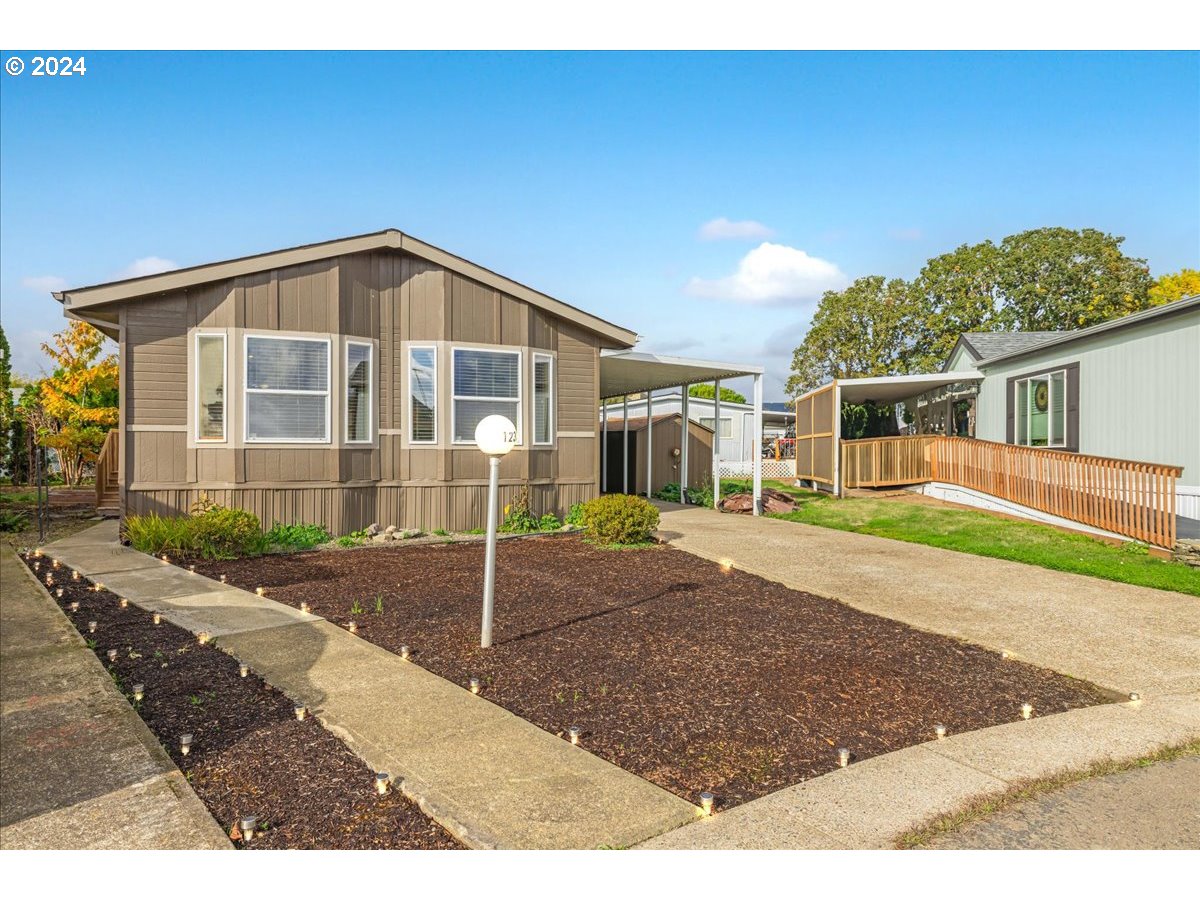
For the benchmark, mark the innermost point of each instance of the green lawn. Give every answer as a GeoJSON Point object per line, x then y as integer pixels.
{"type": "Point", "coordinates": [985, 535]}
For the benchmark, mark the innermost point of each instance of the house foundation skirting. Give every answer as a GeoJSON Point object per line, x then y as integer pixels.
{"type": "Point", "coordinates": [454, 507]}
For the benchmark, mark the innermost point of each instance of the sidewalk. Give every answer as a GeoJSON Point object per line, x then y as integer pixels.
{"type": "Point", "coordinates": [491, 778]}
{"type": "Point", "coordinates": [78, 769]}
{"type": "Point", "coordinates": [1119, 636]}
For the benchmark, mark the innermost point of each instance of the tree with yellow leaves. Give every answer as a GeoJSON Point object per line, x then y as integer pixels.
{"type": "Point", "coordinates": [73, 409]}
{"type": "Point", "coordinates": [1169, 288]}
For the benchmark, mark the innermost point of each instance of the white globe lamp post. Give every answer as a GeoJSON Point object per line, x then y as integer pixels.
{"type": "Point", "coordinates": [495, 437]}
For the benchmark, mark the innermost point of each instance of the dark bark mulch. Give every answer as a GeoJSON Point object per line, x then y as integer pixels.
{"type": "Point", "coordinates": [250, 755]}
{"type": "Point", "coordinates": [691, 677]}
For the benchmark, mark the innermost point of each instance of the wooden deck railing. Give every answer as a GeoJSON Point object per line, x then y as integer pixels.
{"type": "Point", "coordinates": [108, 466]}
{"type": "Point", "coordinates": [1134, 499]}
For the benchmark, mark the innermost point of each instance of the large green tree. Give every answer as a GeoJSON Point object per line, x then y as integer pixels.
{"type": "Point", "coordinates": [1175, 286]}
{"type": "Point", "coordinates": [728, 395]}
{"type": "Point", "coordinates": [860, 331]}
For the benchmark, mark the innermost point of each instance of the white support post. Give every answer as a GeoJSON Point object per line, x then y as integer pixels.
{"type": "Point", "coordinates": [757, 444]}
{"type": "Point", "coordinates": [604, 446]}
{"type": "Point", "coordinates": [716, 464]}
{"type": "Point", "coordinates": [625, 444]}
{"type": "Point", "coordinates": [683, 448]}
{"type": "Point", "coordinates": [649, 443]}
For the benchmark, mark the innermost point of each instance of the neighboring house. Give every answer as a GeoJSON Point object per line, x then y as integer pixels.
{"type": "Point", "coordinates": [1127, 390]}
{"type": "Point", "coordinates": [666, 452]}
{"type": "Point", "coordinates": [341, 383]}
{"type": "Point", "coordinates": [738, 441]}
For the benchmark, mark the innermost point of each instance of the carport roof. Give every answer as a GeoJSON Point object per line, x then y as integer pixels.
{"type": "Point", "coordinates": [631, 372]}
{"type": "Point", "coordinates": [894, 388]}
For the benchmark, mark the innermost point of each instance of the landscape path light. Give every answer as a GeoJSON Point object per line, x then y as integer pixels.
{"type": "Point", "coordinates": [573, 733]}
{"type": "Point", "coordinates": [243, 669]}
{"type": "Point", "coordinates": [1026, 710]}
{"type": "Point", "coordinates": [706, 802]}
{"type": "Point", "coordinates": [381, 783]}
{"type": "Point", "coordinates": [247, 826]}
{"type": "Point", "coordinates": [139, 691]}
{"type": "Point", "coordinates": [495, 437]}
{"type": "Point", "coordinates": [92, 627]}
{"type": "Point", "coordinates": [185, 744]}
{"type": "Point", "coordinates": [476, 685]}
{"type": "Point", "coordinates": [940, 731]}
{"type": "Point", "coordinates": [157, 617]}
{"type": "Point", "coordinates": [405, 652]}
{"type": "Point", "coordinates": [843, 757]}
{"type": "Point", "coordinates": [112, 655]}
{"type": "Point", "coordinates": [59, 593]}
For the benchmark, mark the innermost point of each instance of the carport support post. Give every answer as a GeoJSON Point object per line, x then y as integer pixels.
{"type": "Point", "coordinates": [604, 446]}
{"type": "Point", "coordinates": [756, 443]}
{"type": "Point", "coordinates": [683, 448]}
{"type": "Point", "coordinates": [625, 444]}
{"type": "Point", "coordinates": [649, 443]}
{"type": "Point", "coordinates": [716, 465]}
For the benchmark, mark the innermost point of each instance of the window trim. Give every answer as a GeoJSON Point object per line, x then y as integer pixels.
{"type": "Point", "coordinates": [224, 438]}
{"type": "Point", "coordinates": [370, 438]}
{"type": "Point", "coordinates": [247, 390]}
{"type": "Point", "coordinates": [420, 442]}
{"type": "Point", "coordinates": [551, 425]}
{"type": "Point", "coordinates": [455, 397]}
{"type": "Point", "coordinates": [1028, 382]}
{"type": "Point", "coordinates": [702, 419]}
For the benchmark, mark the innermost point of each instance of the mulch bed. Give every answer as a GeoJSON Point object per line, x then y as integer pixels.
{"type": "Point", "coordinates": [250, 755]}
{"type": "Point", "coordinates": [692, 677]}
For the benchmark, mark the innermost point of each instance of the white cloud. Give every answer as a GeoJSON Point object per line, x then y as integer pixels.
{"type": "Point", "coordinates": [147, 265]}
{"type": "Point", "coordinates": [773, 274]}
{"type": "Point", "coordinates": [27, 356]}
{"type": "Point", "coordinates": [724, 230]}
{"type": "Point", "coordinates": [44, 284]}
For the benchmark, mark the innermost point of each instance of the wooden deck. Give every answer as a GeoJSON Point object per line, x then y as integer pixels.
{"type": "Point", "coordinates": [1135, 499]}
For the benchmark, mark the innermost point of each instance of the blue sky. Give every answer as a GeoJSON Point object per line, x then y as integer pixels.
{"type": "Point", "coordinates": [592, 176]}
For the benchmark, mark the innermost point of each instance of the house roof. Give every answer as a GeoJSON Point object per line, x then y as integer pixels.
{"type": "Point", "coordinates": [631, 371]}
{"type": "Point", "coordinates": [1069, 337]}
{"type": "Point", "coordinates": [986, 344]}
{"type": "Point", "coordinates": [892, 388]}
{"type": "Point", "coordinates": [637, 423]}
{"type": "Point", "coordinates": [77, 300]}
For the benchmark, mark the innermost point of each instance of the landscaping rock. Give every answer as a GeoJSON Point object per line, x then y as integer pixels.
{"type": "Point", "coordinates": [391, 529]}
{"type": "Point", "coordinates": [1187, 552]}
{"type": "Point", "coordinates": [383, 537]}
{"type": "Point", "coordinates": [772, 501]}
{"type": "Point", "coordinates": [373, 529]}
{"type": "Point", "coordinates": [409, 533]}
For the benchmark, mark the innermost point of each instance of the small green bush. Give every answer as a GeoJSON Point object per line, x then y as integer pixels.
{"type": "Point", "coordinates": [549, 522]}
{"type": "Point", "coordinates": [575, 515]}
{"type": "Point", "coordinates": [11, 520]}
{"type": "Point", "coordinates": [156, 534]}
{"type": "Point", "coordinates": [353, 539]}
{"type": "Point", "coordinates": [620, 519]}
{"type": "Point", "coordinates": [296, 537]}
{"type": "Point", "coordinates": [224, 533]}
{"type": "Point", "coordinates": [669, 492]}
{"type": "Point", "coordinates": [701, 496]}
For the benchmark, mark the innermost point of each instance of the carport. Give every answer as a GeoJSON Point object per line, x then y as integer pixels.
{"type": "Point", "coordinates": [625, 372]}
{"type": "Point", "coordinates": [818, 414]}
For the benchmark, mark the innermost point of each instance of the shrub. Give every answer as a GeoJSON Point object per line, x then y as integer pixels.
{"type": "Point", "coordinates": [518, 518]}
{"type": "Point", "coordinates": [669, 492]}
{"type": "Point", "coordinates": [549, 522]}
{"type": "Point", "coordinates": [620, 519]}
{"type": "Point", "coordinates": [296, 537]}
{"type": "Point", "coordinates": [155, 534]}
{"type": "Point", "coordinates": [225, 533]}
{"type": "Point", "coordinates": [353, 539]}
{"type": "Point", "coordinates": [575, 515]}
{"type": "Point", "coordinates": [11, 520]}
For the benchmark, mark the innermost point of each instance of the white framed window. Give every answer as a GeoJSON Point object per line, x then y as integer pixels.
{"type": "Point", "coordinates": [359, 391]}
{"type": "Point", "coordinates": [422, 395]}
{"type": "Point", "coordinates": [726, 425]}
{"type": "Point", "coordinates": [287, 389]}
{"type": "Point", "coordinates": [543, 398]}
{"type": "Point", "coordinates": [212, 369]}
{"type": "Point", "coordinates": [1041, 409]}
{"type": "Point", "coordinates": [485, 382]}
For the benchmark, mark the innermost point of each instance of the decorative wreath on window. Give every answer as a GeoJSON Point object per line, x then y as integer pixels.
{"type": "Point", "coordinates": [1041, 396]}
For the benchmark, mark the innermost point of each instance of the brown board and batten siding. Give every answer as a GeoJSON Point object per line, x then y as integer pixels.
{"type": "Point", "coordinates": [391, 299]}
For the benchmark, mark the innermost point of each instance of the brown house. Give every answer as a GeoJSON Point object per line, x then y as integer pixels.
{"type": "Point", "coordinates": [341, 383]}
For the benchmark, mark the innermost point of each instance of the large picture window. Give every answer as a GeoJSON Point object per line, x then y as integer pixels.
{"type": "Point", "coordinates": [358, 392]}
{"type": "Point", "coordinates": [1040, 404]}
{"type": "Point", "coordinates": [486, 382]}
{"type": "Point", "coordinates": [543, 398]}
{"type": "Point", "coordinates": [287, 389]}
{"type": "Point", "coordinates": [422, 395]}
{"type": "Point", "coordinates": [726, 425]}
{"type": "Point", "coordinates": [210, 387]}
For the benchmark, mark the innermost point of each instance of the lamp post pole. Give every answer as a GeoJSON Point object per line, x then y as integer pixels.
{"type": "Point", "coordinates": [489, 569]}
{"type": "Point", "coordinates": [495, 437]}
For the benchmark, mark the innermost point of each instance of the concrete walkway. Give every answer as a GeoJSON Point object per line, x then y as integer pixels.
{"type": "Point", "coordinates": [491, 778]}
{"type": "Point", "coordinates": [79, 770]}
{"type": "Point", "coordinates": [1155, 808]}
{"type": "Point", "coordinates": [1122, 637]}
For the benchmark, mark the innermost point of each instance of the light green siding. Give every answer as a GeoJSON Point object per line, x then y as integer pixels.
{"type": "Point", "coordinates": [961, 361]}
{"type": "Point", "coordinates": [1139, 392]}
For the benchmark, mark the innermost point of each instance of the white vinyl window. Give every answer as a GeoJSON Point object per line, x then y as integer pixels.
{"type": "Point", "coordinates": [422, 395]}
{"type": "Point", "coordinates": [726, 425]}
{"type": "Point", "coordinates": [1041, 404]}
{"type": "Point", "coordinates": [287, 390]}
{"type": "Point", "coordinates": [211, 370]}
{"type": "Point", "coordinates": [543, 398]}
{"type": "Point", "coordinates": [486, 382]}
{"type": "Point", "coordinates": [358, 392]}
